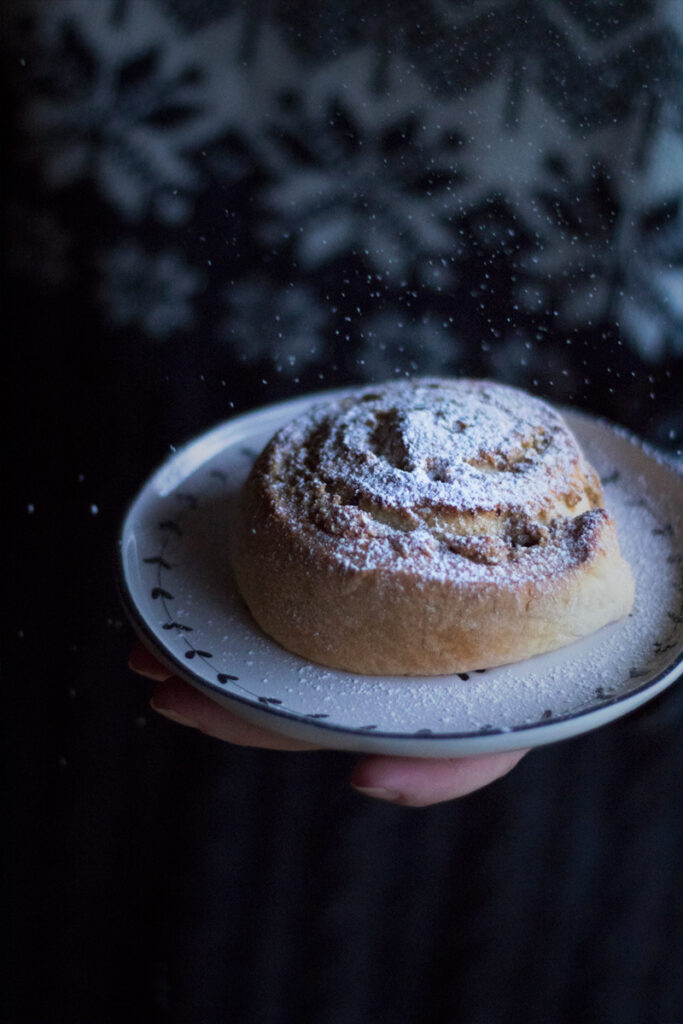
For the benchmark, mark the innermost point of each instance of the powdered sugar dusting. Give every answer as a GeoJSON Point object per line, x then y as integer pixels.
{"type": "Point", "coordinates": [457, 444]}
{"type": "Point", "coordinates": [419, 715]}
{"type": "Point", "coordinates": [550, 685]}
{"type": "Point", "coordinates": [452, 479]}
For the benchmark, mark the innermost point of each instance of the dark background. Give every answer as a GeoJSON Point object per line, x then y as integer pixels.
{"type": "Point", "coordinates": [150, 872]}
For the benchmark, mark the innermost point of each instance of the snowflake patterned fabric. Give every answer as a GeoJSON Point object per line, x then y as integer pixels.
{"type": "Point", "coordinates": [446, 187]}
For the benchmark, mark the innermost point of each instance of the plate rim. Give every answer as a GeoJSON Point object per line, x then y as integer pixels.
{"type": "Point", "coordinates": [492, 738]}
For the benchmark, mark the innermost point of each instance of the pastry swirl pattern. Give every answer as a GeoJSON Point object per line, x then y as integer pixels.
{"type": "Point", "coordinates": [427, 526]}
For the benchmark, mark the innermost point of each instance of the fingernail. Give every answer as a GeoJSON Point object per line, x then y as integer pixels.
{"type": "Point", "coordinates": [172, 715]}
{"type": "Point", "coordinates": [379, 793]}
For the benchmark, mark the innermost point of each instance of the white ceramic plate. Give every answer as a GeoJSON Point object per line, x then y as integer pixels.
{"type": "Point", "coordinates": [177, 587]}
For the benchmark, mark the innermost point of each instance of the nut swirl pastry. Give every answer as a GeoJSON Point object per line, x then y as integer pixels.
{"type": "Point", "coordinates": [427, 527]}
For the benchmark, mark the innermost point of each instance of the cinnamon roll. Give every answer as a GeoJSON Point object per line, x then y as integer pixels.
{"type": "Point", "coordinates": [427, 527]}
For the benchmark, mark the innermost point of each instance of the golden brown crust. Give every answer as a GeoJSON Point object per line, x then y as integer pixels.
{"type": "Point", "coordinates": [427, 527]}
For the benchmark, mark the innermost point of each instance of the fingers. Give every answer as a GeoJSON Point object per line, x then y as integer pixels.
{"type": "Point", "coordinates": [419, 782]}
{"type": "Point", "coordinates": [410, 781]}
{"type": "Point", "coordinates": [180, 702]}
{"type": "Point", "coordinates": [145, 664]}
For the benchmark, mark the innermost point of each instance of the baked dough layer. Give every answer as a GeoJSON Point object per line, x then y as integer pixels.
{"type": "Point", "coordinates": [426, 527]}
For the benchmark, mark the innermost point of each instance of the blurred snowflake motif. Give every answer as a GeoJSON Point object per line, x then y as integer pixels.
{"type": "Point", "coordinates": [611, 250]}
{"type": "Point", "coordinates": [282, 325]}
{"type": "Point", "coordinates": [121, 99]}
{"type": "Point", "coordinates": [652, 316]}
{"type": "Point", "coordinates": [356, 173]}
{"type": "Point", "coordinates": [589, 60]}
{"type": "Point", "coordinates": [150, 291]}
{"type": "Point", "coordinates": [504, 156]}
{"type": "Point", "coordinates": [649, 304]}
{"type": "Point", "coordinates": [367, 162]}
{"type": "Point", "coordinates": [393, 345]}
{"type": "Point", "coordinates": [581, 214]}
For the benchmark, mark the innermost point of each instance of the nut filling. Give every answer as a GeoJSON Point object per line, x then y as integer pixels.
{"type": "Point", "coordinates": [452, 489]}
